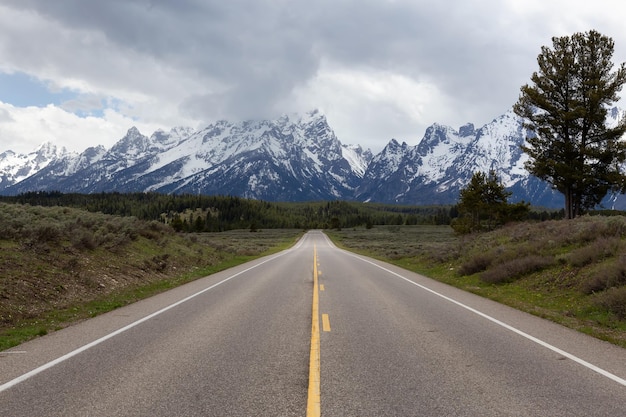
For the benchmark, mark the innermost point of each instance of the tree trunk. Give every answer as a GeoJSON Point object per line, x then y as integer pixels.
{"type": "Point", "coordinates": [569, 203]}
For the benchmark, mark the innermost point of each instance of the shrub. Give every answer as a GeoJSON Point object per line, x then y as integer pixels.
{"type": "Point", "coordinates": [515, 268]}
{"type": "Point", "coordinates": [84, 240]}
{"type": "Point", "coordinates": [605, 276]}
{"type": "Point", "coordinates": [153, 230]}
{"type": "Point", "coordinates": [46, 233]}
{"type": "Point", "coordinates": [601, 248]}
{"type": "Point", "coordinates": [440, 255]}
{"type": "Point", "coordinates": [462, 225]}
{"type": "Point", "coordinates": [614, 300]}
{"type": "Point", "coordinates": [115, 242]}
{"type": "Point", "coordinates": [616, 226]}
{"type": "Point", "coordinates": [589, 229]}
{"type": "Point", "coordinates": [476, 264]}
{"type": "Point", "coordinates": [158, 263]}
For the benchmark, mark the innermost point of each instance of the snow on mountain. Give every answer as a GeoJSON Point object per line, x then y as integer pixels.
{"type": "Point", "coordinates": [440, 149]}
{"type": "Point", "coordinates": [442, 163]}
{"type": "Point", "coordinates": [296, 157]}
{"type": "Point", "coordinates": [17, 167]}
{"type": "Point", "coordinates": [357, 158]}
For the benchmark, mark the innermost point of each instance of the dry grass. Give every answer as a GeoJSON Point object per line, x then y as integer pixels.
{"type": "Point", "coordinates": [516, 268]}
{"type": "Point", "coordinates": [56, 259]}
{"type": "Point", "coordinates": [398, 242]}
{"type": "Point", "coordinates": [614, 300]}
{"type": "Point", "coordinates": [605, 275]}
{"type": "Point", "coordinates": [476, 264]}
{"type": "Point", "coordinates": [571, 271]}
{"type": "Point", "coordinates": [602, 248]}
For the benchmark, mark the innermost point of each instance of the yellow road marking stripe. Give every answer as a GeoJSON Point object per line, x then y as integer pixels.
{"type": "Point", "coordinates": [325, 323]}
{"type": "Point", "coordinates": [313, 408]}
{"type": "Point", "coordinates": [321, 287]}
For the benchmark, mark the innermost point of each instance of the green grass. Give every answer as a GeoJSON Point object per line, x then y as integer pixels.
{"type": "Point", "coordinates": [22, 330]}
{"type": "Point", "coordinates": [541, 268]}
{"type": "Point", "coordinates": [60, 265]}
{"type": "Point", "coordinates": [57, 319]}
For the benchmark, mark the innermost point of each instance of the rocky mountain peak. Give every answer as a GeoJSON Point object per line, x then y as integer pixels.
{"type": "Point", "coordinates": [292, 158]}
{"type": "Point", "coordinates": [132, 143]}
{"type": "Point", "coordinates": [467, 130]}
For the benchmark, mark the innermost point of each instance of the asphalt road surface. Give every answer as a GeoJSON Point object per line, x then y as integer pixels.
{"type": "Point", "coordinates": [241, 343]}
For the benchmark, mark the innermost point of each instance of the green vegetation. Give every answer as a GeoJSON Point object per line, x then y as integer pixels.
{"type": "Point", "coordinates": [196, 213]}
{"type": "Point", "coordinates": [61, 264]}
{"type": "Point", "coordinates": [566, 107]}
{"type": "Point", "coordinates": [483, 205]}
{"type": "Point", "coordinates": [66, 260]}
{"type": "Point", "coordinates": [572, 272]}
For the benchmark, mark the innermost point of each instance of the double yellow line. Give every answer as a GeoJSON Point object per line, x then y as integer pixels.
{"type": "Point", "coordinates": [313, 403]}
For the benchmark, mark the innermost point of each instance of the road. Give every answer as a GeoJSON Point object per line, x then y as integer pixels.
{"type": "Point", "coordinates": [242, 343]}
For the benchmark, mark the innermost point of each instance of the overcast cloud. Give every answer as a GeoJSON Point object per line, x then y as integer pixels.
{"type": "Point", "coordinates": [378, 69]}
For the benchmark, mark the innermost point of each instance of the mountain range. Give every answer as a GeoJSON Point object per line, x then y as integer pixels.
{"type": "Point", "coordinates": [292, 158]}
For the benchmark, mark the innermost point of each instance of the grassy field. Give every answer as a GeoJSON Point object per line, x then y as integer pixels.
{"type": "Point", "coordinates": [59, 265]}
{"type": "Point", "coordinates": [572, 272]}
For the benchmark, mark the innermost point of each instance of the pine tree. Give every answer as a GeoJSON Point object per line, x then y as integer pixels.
{"type": "Point", "coordinates": [483, 205]}
{"type": "Point", "coordinates": [566, 109]}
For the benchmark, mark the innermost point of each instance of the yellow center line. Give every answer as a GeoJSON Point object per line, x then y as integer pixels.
{"type": "Point", "coordinates": [313, 408]}
{"type": "Point", "coordinates": [325, 323]}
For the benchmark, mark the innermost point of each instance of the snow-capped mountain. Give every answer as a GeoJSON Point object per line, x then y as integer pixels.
{"type": "Point", "coordinates": [442, 163]}
{"type": "Point", "coordinates": [17, 167]}
{"type": "Point", "coordinates": [292, 158]}
{"type": "Point", "coordinates": [444, 160]}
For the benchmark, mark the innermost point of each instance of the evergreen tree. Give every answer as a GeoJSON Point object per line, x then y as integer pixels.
{"type": "Point", "coordinates": [483, 205]}
{"type": "Point", "coordinates": [566, 108]}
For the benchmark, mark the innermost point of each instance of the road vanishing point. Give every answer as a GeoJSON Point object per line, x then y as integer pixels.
{"type": "Point", "coordinates": [314, 330]}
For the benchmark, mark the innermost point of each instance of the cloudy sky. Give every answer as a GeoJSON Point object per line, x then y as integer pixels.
{"type": "Point", "coordinates": [82, 72]}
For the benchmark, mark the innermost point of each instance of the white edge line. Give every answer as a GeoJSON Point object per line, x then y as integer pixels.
{"type": "Point", "coordinates": [506, 326]}
{"type": "Point", "coordinates": [81, 349]}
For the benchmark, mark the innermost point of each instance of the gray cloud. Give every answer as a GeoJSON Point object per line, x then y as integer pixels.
{"type": "Point", "coordinates": [245, 59]}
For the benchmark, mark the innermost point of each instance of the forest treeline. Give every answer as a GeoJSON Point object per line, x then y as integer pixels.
{"type": "Point", "coordinates": [201, 213]}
